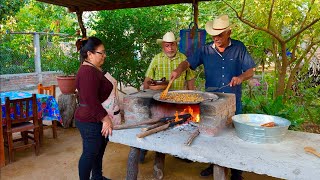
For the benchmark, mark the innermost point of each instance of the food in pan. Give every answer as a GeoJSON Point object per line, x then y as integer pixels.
{"type": "Point", "coordinates": [183, 97]}
{"type": "Point", "coordinates": [269, 124]}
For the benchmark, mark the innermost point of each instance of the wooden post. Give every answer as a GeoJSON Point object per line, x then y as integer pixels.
{"type": "Point", "coordinates": [195, 11]}
{"type": "Point", "coordinates": [2, 158]}
{"type": "Point", "coordinates": [158, 167]}
{"type": "Point", "coordinates": [37, 57]}
{"type": "Point", "coordinates": [133, 164]}
{"type": "Point", "coordinates": [220, 172]}
{"type": "Point", "coordinates": [83, 29]}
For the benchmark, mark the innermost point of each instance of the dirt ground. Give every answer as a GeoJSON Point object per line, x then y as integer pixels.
{"type": "Point", "coordinates": [58, 159]}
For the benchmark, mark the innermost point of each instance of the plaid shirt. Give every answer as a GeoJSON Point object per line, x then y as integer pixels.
{"type": "Point", "coordinates": [161, 66]}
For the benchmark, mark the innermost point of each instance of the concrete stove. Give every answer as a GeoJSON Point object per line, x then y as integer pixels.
{"type": "Point", "coordinates": [213, 114]}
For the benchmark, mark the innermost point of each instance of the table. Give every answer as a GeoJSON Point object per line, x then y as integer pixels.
{"type": "Point", "coordinates": [286, 159]}
{"type": "Point", "coordinates": [47, 110]}
{"type": "Point", "coordinates": [47, 105]}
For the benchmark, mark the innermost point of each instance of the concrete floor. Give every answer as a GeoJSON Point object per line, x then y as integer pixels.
{"type": "Point", "coordinates": [58, 159]}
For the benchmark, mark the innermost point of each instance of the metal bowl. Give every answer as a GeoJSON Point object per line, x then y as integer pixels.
{"type": "Point", "coordinates": [205, 95]}
{"type": "Point", "coordinates": [248, 128]}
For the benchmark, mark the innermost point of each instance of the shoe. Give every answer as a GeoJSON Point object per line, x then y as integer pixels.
{"type": "Point", "coordinates": [143, 153]}
{"type": "Point", "coordinates": [236, 174]}
{"type": "Point", "coordinates": [103, 178]}
{"type": "Point", "coordinates": [207, 172]}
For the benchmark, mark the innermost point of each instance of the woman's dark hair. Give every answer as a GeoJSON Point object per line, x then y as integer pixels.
{"type": "Point", "coordinates": [85, 45]}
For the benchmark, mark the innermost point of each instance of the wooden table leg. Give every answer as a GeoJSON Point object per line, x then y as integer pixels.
{"type": "Point", "coordinates": [133, 164]}
{"type": "Point", "coordinates": [220, 172]}
{"type": "Point", "coordinates": [2, 158]}
{"type": "Point", "coordinates": [158, 167]}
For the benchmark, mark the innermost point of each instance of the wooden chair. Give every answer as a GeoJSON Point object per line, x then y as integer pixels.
{"type": "Point", "coordinates": [22, 122]}
{"type": "Point", "coordinates": [2, 159]}
{"type": "Point", "coordinates": [49, 90]}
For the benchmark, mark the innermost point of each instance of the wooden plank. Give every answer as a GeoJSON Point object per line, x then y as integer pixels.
{"type": "Point", "coordinates": [2, 158]}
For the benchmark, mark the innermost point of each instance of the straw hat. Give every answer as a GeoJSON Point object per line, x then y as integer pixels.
{"type": "Point", "coordinates": [168, 37]}
{"type": "Point", "coordinates": [218, 25]}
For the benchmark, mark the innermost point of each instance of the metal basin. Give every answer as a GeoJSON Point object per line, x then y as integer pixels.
{"type": "Point", "coordinates": [204, 95]}
{"type": "Point", "coordinates": [248, 128]}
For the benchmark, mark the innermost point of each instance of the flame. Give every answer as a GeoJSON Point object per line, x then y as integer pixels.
{"type": "Point", "coordinates": [195, 117]}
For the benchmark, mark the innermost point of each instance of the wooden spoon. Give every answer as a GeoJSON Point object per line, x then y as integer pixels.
{"type": "Point", "coordinates": [165, 92]}
{"type": "Point", "coordinates": [312, 151]}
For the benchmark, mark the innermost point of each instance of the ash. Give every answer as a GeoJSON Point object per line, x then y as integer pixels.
{"type": "Point", "coordinates": [186, 127]}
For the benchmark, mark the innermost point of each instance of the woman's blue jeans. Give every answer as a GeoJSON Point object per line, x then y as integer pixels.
{"type": "Point", "coordinates": [93, 147]}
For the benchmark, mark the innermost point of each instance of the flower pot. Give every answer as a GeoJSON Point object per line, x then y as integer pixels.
{"type": "Point", "coordinates": [67, 84]}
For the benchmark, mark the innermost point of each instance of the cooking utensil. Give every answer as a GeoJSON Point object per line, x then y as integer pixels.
{"type": "Point", "coordinates": [165, 92]}
{"type": "Point", "coordinates": [215, 88]}
{"type": "Point", "coordinates": [205, 96]}
{"type": "Point", "coordinates": [312, 151]}
{"type": "Point", "coordinates": [248, 128]}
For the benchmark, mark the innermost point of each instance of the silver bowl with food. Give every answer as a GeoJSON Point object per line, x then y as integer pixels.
{"type": "Point", "coordinates": [260, 128]}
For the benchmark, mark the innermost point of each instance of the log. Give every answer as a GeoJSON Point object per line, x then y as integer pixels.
{"type": "Point", "coordinates": [67, 106]}
{"type": "Point", "coordinates": [192, 136]}
{"type": "Point", "coordinates": [153, 126]}
{"type": "Point", "coordinates": [133, 166]}
{"type": "Point", "coordinates": [152, 131]}
{"type": "Point", "coordinates": [126, 126]}
{"type": "Point", "coordinates": [158, 167]}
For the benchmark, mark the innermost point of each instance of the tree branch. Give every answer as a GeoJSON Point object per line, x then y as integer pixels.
{"type": "Point", "coordinates": [296, 67]}
{"type": "Point", "coordinates": [270, 14]}
{"type": "Point", "coordinates": [298, 36]}
{"type": "Point", "coordinates": [251, 24]}
{"type": "Point", "coordinates": [243, 6]}
{"type": "Point", "coordinates": [303, 29]}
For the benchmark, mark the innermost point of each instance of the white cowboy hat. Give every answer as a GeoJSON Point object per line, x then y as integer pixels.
{"type": "Point", "coordinates": [218, 25]}
{"type": "Point", "coordinates": [168, 37]}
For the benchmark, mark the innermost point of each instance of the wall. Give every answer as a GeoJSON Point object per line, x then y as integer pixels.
{"type": "Point", "coordinates": [10, 82]}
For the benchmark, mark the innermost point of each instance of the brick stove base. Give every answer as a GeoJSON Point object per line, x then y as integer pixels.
{"type": "Point", "coordinates": [213, 114]}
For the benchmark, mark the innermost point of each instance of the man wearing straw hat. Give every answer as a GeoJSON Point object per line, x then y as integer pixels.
{"type": "Point", "coordinates": [163, 64]}
{"type": "Point", "coordinates": [166, 61]}
{"type": "Point", "coordinates": [227, 64]}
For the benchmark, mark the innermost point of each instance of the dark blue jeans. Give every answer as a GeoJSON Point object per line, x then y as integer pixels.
{"type": "Point", "coordinates": [93, 147]}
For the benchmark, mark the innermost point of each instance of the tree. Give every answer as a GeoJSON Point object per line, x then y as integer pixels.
{"type": "Point", "coordinates": [292, 29]}
{"type": "Point", "coordinates": [130, 38]}
{"type": "Point", "coordinates": [9, 8]}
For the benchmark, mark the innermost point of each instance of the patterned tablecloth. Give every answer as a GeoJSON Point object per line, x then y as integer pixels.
{"type": "Point", "coordinates": [47, 105]}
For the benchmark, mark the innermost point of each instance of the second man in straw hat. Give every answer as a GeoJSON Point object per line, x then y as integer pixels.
{"type": "Point", "coordinates": [165, 62]}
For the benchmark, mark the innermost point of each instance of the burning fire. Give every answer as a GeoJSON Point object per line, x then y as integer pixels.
{"type": "Point", "coordinates": [195, 117]}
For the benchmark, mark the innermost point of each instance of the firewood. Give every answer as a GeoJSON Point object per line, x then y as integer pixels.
{"type": "Point", "coordinates": [191, 138]}
{"type": "Point", "coordinates": [152, 131]}
{"type": "Point", "coordinates": [127, 126]}
{"type": "Point", "coordinates": [153, 126]}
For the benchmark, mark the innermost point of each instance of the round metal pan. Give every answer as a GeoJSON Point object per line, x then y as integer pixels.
{"type": "Point", "coordinates": [205, 95]}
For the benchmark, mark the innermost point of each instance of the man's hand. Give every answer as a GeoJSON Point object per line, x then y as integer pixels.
{"type": "Point", "coordinates": [174, 75]}
{"type": "Point", "coordinates": [244, 76]}
{"type": "Point", "coordinates": [106, 126]}
{"type": "Point", "coordinates": [177, 72]}
{"type": "Point", "coordinates": [235, 81]}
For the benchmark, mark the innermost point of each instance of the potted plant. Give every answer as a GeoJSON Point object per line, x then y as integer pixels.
{"type": "Point", "coordinates": [69, 66]}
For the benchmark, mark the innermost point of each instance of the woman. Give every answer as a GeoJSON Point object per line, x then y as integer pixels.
{"type": "Point", "coordinates": [92, 119]}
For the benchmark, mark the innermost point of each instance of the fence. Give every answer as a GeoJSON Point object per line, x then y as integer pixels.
{"type": "Point", "coordinates": [28, 58]}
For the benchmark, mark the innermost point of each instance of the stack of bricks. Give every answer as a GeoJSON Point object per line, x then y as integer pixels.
{"type": "Point", "coordinates": [213, 114]}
